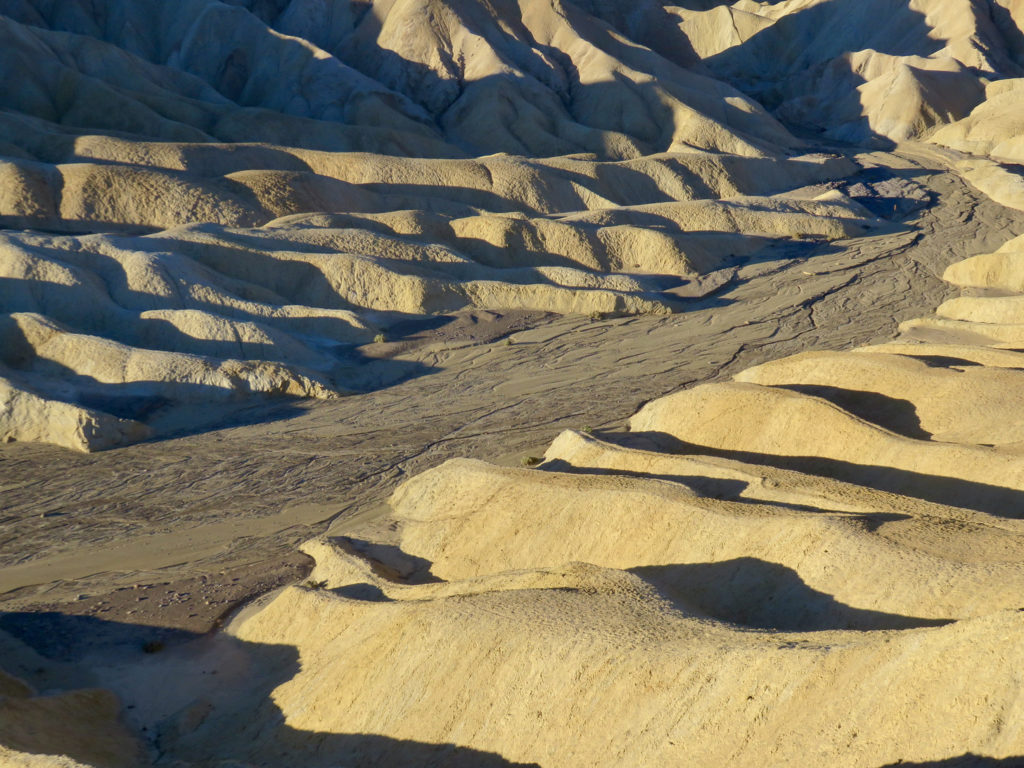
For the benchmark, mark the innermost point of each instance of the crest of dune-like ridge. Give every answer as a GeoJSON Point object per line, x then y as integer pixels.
{"type": "Point", "coordinates": [539, 155]}
{"type": "Point", "coordinates": [693, 591]}
{"type": "Point", "coordinates": [817, 562]}
{"type": "Point", "coordinates": [353, 128]}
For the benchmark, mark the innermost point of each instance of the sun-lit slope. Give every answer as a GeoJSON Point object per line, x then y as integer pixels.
{"type": "Point", "coordinates": [823, 557]}
{"type": "Point", "coordinates": [1002, 270]}
{"type": "Point", "coordinates": [830, 65]}
{"type": "Point", "coordinates": [581, 665]}
{"type": "Point", "coordinates": [536, 77]}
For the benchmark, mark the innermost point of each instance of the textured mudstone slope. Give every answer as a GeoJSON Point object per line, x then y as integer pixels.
{"type": "Point", "coordinates": [240, 194]}
{"type": "Point", "coordinates": [821, 558]}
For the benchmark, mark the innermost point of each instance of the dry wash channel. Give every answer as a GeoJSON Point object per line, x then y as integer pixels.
{"type": "Point", "coordinates": [818, 563]}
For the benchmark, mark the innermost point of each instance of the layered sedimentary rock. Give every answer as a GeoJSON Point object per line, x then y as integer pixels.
{"type": "Point", "coordinates": [291, 170]}
{"type": "Point", "coordinates": [818, 561]}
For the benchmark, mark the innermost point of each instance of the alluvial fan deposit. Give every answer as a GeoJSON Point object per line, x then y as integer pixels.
{"type": "Point", "coordinates": [810, 555]}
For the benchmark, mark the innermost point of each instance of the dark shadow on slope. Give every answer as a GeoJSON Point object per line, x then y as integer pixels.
{"type": "Point", "coordinates": [230, 681]}
{"type": "Point", "coordinates": [893, 414]}
{"type": "Point", "coordinates": [982, 497]}
{"type": "Point", "coordinates": [1012, 34]}
{"type": "Point", "coordinates": [763, 595]}
{"type": "Point", "coordinates": [447, 199]}
{"type": "Point", "coordinates": [788, 47]}
{"type": "Point", "coordinates": [724, 489]}
{"type": "Point", "coordinates": [68, 638]}
{"type": "Point", "coordinates": [364, 592]}
{"type": "Point", "coordinates": [944, 361]}
{"type": "Point", "coordinates": [388, 561]}
{"type": "Point", "coordinates": [51, 226]}
{"type": "Point", "coordinates": [206, 160]}
{"type": "Point", "coordinates": [182, 407]}
{"type": "Point", "coordinates": [968, 760]}
{"type": "Point", "coordinates": [650, 25]}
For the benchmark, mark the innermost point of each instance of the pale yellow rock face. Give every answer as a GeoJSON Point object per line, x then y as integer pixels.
{"type": "Point", "coordinates": [272, 211]}
{"type": "Point", "coordinates": [563, 659]}
{"type": "Point", "coordinates": [819, 562]}
{"type": "Point", "coordinates": [697, 591]}
{"type": "Point", "coordinates": [1002, 269]}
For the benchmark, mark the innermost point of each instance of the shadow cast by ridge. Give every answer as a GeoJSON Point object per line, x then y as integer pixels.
{"type": "Point", "coordinates": [231, 681]}
{"type": "Point", "coordinates": [762, 595]}
{"type": "Point", "coordinates": [894, 414]}
{"type": "Point", "coordinates": [967, 494]}
{"type": "Point", "coordinates": [967, 760]}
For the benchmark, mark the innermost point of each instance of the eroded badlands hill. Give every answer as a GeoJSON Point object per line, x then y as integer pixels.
{"type": "Point", "coordinates": [816, 563]}
{"type": "Point", "coordinates": [214, 200]}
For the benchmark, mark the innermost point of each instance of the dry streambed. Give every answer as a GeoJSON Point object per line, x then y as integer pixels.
{"type": "Point", "coordinates": [689, 589]}
{"type": "Point", "coordinates": [830, 522]}
{"type": "Point", "coordinates": [804, 546]}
